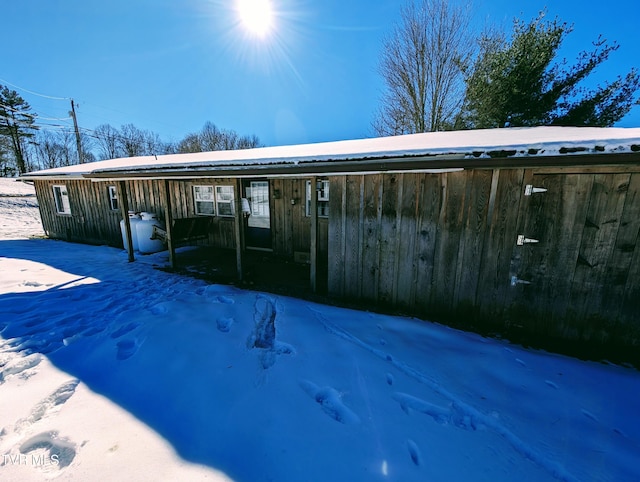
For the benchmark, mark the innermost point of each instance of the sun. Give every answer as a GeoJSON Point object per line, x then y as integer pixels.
{"type": "Point", "coordinates": [256, 16]}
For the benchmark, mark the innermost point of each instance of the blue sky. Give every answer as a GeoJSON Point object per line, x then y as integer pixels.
{"type": "Point", "coordinates": [169, 66]}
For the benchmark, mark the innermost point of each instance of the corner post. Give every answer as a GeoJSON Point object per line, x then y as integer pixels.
{"type": "Point", "coordinates": [238, 227]}
{"type": "Point", "coordinates": [168, 219]}
{"type": "Point", "coordinates": [124, 207]}
{"type": "Point", "coordinates": [313, 255]}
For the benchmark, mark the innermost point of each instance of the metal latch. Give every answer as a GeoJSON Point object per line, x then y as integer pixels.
{"type": "Point", "coordinates": [515, 281]}
{"type": "Point", "coordinates": [529, 190]}
{"type": "Point", "coordinates": [522, 240]}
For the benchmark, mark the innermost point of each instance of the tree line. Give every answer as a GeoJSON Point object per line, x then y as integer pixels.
{"type": "Point", "coordinates": [26, 146]}
{"type": "Point", "coordinates": [439, 75]}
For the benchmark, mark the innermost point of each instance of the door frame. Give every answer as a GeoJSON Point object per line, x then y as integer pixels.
{"type": "Point", "coordinates": [250, 243]}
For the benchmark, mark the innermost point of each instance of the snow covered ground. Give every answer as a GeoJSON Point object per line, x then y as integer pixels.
{"type": "Point", "coordinates": [117, 371]}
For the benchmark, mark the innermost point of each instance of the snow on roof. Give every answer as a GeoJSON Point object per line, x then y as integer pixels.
{"type": "Point", "coordinates": [514, 142]}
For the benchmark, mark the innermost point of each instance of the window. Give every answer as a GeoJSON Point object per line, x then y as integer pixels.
{"type": "Point", "coordinates": [224, 200]}
{"type": "Point", "coordinates": [61, 198]}
{"type": "Point", "coordinates": [323, 198]}
{"type": "Point", "coordinates": [203, 199]}
{"type": "Point", "coordinates": [113, 198]}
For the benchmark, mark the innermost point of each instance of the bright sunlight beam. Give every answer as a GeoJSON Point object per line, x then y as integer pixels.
{"type": "Point", "coordinates": [256, 16]}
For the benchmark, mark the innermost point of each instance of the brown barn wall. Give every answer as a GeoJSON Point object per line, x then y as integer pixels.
{"type": "Point", "coordinates": [290, 226]}
{"type": "Point", "coordinates": [92, 220]}
{"type": "Point", "coordinates": [445, 246]}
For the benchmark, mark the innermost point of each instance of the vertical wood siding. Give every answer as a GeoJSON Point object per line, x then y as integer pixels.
{"type": "Point", "coordinates": [445, 245]}
{"type": "Point", "coordinates": [92, 220]}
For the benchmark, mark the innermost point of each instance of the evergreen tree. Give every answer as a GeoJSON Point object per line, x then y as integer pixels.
{"type": "Point", "coordinates": [17, 123]}
{"type": "Point", "coordinates": [516, 83]}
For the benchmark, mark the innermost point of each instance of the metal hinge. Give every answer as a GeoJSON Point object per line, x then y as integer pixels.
{"type": "Point", "coordinates": [515, 281]}
{"type": "Point", "coordinates": [522, 240]}
{"type": "Point", "coordinates": [529, 190]}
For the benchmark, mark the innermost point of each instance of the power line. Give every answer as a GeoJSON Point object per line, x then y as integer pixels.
{"type": "Point", "coordinates": [32, 92]}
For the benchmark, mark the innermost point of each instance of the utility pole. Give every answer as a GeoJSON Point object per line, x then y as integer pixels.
{"type": "Point", "coordinates": [75, 125]}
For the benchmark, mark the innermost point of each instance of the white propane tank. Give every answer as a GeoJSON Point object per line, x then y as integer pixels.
{"type": "Point", "coordinates": [134, 219]}
{"type": "Point", "coordinates": [144, 229]}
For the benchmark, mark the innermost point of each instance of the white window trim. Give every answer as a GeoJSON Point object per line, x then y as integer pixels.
{"type": "Point", "coordinates": [197, 199]}
{"type": "Point", "coordinates": [65, 208]}
{"type": "Point", "coordinates": [323, 199]}
{"type": "Point", "coordinates": [113, 198]}
{"type": "Point", "coordinates": [230, 202]}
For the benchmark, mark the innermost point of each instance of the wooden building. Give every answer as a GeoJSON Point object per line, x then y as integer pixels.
{"type": "Point", "coordinates": [532, 229]}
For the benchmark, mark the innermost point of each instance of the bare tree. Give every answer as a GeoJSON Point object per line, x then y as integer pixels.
{"type": "Point", "coordinates": [153, 144]}
{"type": "Point", "coordinates": [132, 140]}
{"type": "Point", "coordinates": [108, 140]}
{"type": "Point", "coordinates": [190, 143]}
{"type": "Point", "coordinates": [48, 151]}
{"type": "Point", "coordinates": [248, 142]}
{"type": "Point", "coordinates": [212, 138]}
{"type": "Point", "coordinates": [422, 65]}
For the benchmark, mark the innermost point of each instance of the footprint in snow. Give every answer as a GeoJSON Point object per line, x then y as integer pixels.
{"type": "Point", "coordinates": [19, 365]}
{"type": "Point", "coordinates": [127, 348]}
{"type": "Point", "coordinates": [33, 284]}
{"type": "Point", "coordinates": [331, 403]}
{"type": "Point", "coordinates": [63, 393]}
{"type": "Point", "coordinates": [414, 452]}
{"type": "Point", "coordinates": [225, 300]}
{"type": "Point", "coordinates": [224, 324]}
{"type": "Point", "coordinates": [455, 414]}
{"type": "Point", "coordinates": [59, 452]}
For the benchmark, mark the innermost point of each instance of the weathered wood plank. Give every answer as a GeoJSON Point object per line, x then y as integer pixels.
{"type": "Point", "coordinates": [557, 218]}
{"type": "Point", "coordinates": [187, 206]}
{"type": "Point", "coordinates": [336, 266]}
{"type": "Point", "coordinates": [477, 196]}
{"type": "Point", "coordinates": [406, 247]}
{"type": "Point", "coordinates": [604, 216]}
{"type": "Point", "coordinates": [277, 218]}
{"type": "Point", "coordinates": [447, 243]}
{"type": "Point", "coordinates": [621, 294]}
{"type": "Point", "coordinates": [388, 237]}
{"type": "Point", "coordinates": [429, 205]}
{"type": "Point", "coordinates": [353, 210]}
{"type": "Point", "coordinates": [630, 306]}
{"type": "Point", "coordinates": [298, 223]}
{"type": "Point", "coordinates": [372, 212]}
{"type": "Point", "coordinates": [494, 291]}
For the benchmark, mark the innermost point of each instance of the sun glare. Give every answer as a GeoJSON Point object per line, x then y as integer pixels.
{"type": "Point", "coordinates": [256, 16]}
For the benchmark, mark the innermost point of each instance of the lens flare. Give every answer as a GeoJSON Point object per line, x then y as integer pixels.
{"type": "Point", "coordinates": [256, 16]}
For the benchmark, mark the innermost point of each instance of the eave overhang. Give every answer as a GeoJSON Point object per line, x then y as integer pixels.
{"type": "Point", "coordinates": [436, 163]}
